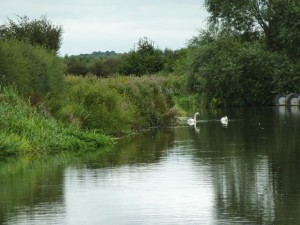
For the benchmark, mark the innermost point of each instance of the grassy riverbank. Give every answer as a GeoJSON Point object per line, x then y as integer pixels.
{"type": "Point", "coordinates": [26, 131]}
{"type": "Point", "coordinates": [90, 112]}
{"type": "Point", "coordinates": [117, 105]}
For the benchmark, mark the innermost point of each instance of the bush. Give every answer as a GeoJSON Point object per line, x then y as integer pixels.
{"type": "Point", "coordinates": [34, 71]}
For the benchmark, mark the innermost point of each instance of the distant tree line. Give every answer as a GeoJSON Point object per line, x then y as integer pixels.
{"type": "Point", "coordinates": [144, 59]}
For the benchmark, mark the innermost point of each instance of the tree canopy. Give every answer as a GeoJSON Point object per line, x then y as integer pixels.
{"type": "Point", "coordinates": [37, 32]}
{"type": "Point", "coordinates": [145, 59]}
{"type": "Point", "coordinates": [249, 53]}
{"type": "Point", "coordinates": [277, 21]}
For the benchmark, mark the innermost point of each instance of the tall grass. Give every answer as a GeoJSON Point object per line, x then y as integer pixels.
{"type": "Point", "coordinates": [116, 105]}
{"type": "Point", "coordinates": [26, 131]}
{"type": "Point", "coordinates": [152, 97]}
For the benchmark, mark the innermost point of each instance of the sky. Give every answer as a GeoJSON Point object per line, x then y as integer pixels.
{"type": "Point", "coordinates": [114, 25]}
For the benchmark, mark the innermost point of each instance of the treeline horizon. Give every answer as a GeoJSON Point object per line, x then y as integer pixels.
{"type": "Point", "coordinates": [144, 59]}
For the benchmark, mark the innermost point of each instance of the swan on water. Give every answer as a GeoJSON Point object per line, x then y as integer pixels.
{"type": "Point", "coordinates": [192, 121]}
{"type": "Point", "coordinates": [224, 120]}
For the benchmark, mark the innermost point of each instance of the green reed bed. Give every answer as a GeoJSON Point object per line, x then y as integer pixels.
{"type": "Point", "coordinates": [25, 131]}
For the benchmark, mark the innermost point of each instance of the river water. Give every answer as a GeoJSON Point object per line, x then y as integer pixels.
{"type": "Point", "coordinates": [244, 173]}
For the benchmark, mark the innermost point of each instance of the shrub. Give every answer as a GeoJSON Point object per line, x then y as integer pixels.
{"type": "Point", "coordinates": [34, 71]}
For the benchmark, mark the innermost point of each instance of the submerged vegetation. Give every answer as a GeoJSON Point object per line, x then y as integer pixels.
{"type": "Point", "coordinates": [248, 54]}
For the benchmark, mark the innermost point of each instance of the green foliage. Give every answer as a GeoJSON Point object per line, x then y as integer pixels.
{"type": "Point", "coordinates": [24, 131]}
{"type": "Point", "coordinates": [228, 71]}
{"type": "Point", "coordinates": [34, 71]}
{"type": "Point", "coordinates": [98, 54]}
{"type": "Point", "coordinates": [174, 60]}
{"type": "Point", "coordinates": [101, 66]}
{"type": "Point", "coordinates": [239, 17]}
{"type": "Point", "coordinates": [214, 71]}
{"type": "Point", "coordinates": [248, 54]}
{"type": "Point", "coordinates": [105, 67]}
{"type": "Point", "coordinates": [76, 67]}
{"type": "Point", "coordinates": [116, 105]}
{"type": "Point", "coordinates": [151, 97]}
{"type": "Point", "coordinates": [92, 104]}
{"type": "Point", "coordinates": [276, 22]}
{"type": "Point", "coordinates": [145, 59]}
{"type": "Point", "coordinates": [289, 35]}
{"type": "Point", "coordinates": [286, 77]}
{"type": "Point", "coordinates": [37, 32]}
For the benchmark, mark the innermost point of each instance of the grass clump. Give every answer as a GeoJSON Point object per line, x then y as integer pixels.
{"type": "Point", "coordinates": [25, 131]}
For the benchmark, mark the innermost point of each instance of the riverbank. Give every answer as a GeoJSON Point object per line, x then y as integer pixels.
{"type": "Point", "coordinates": [118, 105]}
{"type": "Point", "coordinates": [25, 130]}
{"type": "Point", "coordinates": [90, 114]}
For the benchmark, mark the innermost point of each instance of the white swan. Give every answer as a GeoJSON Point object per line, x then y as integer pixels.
{"type": "Point", "coordinates": [192, 121]}
{"type": "Point", "coordinates": [224, 120]}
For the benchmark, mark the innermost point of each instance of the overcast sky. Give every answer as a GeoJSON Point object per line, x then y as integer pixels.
{"type": "Point", "coordinates": [114, 25]}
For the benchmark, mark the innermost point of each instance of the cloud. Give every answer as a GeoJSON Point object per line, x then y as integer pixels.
{"type": "Point", "coordinates": [101, 25]}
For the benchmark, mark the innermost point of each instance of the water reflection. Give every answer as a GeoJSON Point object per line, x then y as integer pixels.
{"type": "Point", "coordinates": [26, 186]}
{"type": "Point", "coordinates": [244, 174]}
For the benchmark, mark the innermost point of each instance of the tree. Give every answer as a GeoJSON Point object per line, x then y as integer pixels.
{"type": "Point", "coordinates": [145, 59]}
{"type": "Point", "coordinates": [37, 32]}
{"type": "Point", "coordinates": [278, 21]}
{"type": "Point", "coordinates": [249, 53]}
{"type": "Point", "coordinates": [228, 71]}
{"type": "Point", "coordinates": [174, 60]}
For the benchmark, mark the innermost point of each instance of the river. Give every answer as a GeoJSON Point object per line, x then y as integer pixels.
{"type": "Point", "coordinates": [244, 173]}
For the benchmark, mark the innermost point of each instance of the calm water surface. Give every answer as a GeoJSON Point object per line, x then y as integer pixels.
{"type": "Point", "coordinates": [245, 173]}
